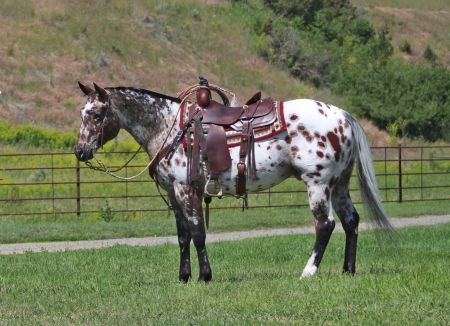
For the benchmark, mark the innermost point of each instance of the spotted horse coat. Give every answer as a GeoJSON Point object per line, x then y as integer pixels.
{"type": "Point", "coordinates": [320, 145]}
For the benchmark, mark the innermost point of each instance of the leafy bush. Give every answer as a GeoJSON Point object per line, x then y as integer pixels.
{"type": "Point", "coordinates": [106, 212]}
{"type": "Point", "coordinates": [28, 135]}
{"type": "Point", "coordinates": [429, 54]}
{"type": "Point", "coordinates": [408, 100]}
{"type": "Point", "coordinates": [326, 43]}
{"type": "Point", "coordinates": [405, 47]}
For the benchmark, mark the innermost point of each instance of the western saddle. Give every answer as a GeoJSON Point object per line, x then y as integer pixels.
{"type": "Point", "coordinates": [204, 133]}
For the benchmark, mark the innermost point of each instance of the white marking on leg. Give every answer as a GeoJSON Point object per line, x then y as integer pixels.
{"type": "Point", "coordinates": [310, 269]}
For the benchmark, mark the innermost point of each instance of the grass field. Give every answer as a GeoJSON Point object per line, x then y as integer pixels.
{"type": "Point", "coordinates": [255, 282]}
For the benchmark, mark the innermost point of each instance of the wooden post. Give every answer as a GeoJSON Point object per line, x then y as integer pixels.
{"type": "Point", "coordinates": [400, 189]}
{"type": "Point", "coordinates": [78, 188]}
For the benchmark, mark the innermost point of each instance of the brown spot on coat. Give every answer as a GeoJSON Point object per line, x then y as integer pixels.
{"type": "Point", "coordinates": [177, 161]}
{"type": "Point", "coordinates": [294, 117]}
{"type": "Point", "coordinates": [278, 147]}
{"type": "Point", "coordinates": [293, 133]}
{"type": "Point", "coordinates": [294, 148]}
{"type": "Point", "coordinates": [319, 154]}
{"type": "Point", "coordinates": [321, 144]}
{"type": "Point", "coordinates": [334, 140]}
{"type": "Point", "coordinates": [319, 167]}
{"type": "Point", "coordinates": [288, 139]}
{"type": "Point", "coordinates": [319, 104]}
{"type": "Point", "coordinates": [300, 127]}
{"type": "Point", "coordinates": [321, 111]}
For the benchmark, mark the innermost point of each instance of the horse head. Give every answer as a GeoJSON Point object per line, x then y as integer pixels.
{"type": "Point", "coordinates": [99, 122]}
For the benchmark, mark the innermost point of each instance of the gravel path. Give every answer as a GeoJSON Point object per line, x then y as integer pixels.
{"type": "Point", "coordinates": [18, 248]}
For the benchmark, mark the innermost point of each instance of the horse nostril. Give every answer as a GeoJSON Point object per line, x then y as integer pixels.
{"type": "Point", "coordinates": [79, 153]}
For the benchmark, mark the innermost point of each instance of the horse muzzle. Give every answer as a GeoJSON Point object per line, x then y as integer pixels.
{"type": "Point", "coordinates": [83, 154]}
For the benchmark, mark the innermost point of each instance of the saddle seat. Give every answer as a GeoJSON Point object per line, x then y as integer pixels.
{"type": "Point", "coordinates": [261, 113]}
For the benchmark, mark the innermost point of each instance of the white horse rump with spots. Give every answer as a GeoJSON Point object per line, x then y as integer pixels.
{"type": "Point", "coordinates": [312, 141]}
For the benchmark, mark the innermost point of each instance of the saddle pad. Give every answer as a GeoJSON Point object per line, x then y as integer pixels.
{"type": "Point", "coordinates": [233, 136]}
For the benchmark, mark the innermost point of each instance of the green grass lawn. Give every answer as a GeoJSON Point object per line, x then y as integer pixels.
{"type": "Point", "coordinates": [255, 282]}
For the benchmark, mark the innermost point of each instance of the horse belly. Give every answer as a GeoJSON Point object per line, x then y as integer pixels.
{"type": "Point", "coordinates": [272, 166]}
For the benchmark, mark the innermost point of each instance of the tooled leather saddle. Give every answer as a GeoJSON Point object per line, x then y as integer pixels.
{"type": "Point", "coordinates": [205, 129]}
{"type": "Point", "coordinates": [205, 132]}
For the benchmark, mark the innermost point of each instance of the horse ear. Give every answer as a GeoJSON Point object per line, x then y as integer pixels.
{"type": "Point", "coordinates": [85, 89]}
{"type": "Point", "coordinates": [102, 94]}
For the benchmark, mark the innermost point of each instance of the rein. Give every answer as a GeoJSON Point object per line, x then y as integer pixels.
{"type": "Point", "coordinates": [103, 168]}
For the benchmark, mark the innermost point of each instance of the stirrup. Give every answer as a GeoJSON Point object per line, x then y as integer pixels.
{"type": "Point", "coordinates": [208, 181]}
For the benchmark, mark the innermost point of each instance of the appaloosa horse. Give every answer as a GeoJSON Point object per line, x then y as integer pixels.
{"type": "Point", "coordinates": [320, 145]}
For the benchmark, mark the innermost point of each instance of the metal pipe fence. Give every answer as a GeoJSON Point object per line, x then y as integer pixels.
{"type": "Point", "coordinates": [36, 184]}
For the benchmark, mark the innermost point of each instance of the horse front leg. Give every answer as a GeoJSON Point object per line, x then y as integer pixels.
{"type": "Point", "coordinates": [184, 240]}
{"type": "Point", "coordinates": [190, 202]}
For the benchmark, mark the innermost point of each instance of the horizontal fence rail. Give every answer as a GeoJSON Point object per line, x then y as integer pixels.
{"type": "Point", "coordinates": [36, 184]}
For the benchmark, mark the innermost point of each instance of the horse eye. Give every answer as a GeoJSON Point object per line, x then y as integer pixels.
{"type": "Point", "coordinates": [97, 116]}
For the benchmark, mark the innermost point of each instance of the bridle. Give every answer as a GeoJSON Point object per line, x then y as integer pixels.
{"type": "Point", "coordinates": [103, 168]}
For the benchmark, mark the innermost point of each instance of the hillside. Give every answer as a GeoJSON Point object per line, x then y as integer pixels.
{"type": "Point", "coordinates": [421, 23]}
{"type": "Point", "coordinates": [48, 45]}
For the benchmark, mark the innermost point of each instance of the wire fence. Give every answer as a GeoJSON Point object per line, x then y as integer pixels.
{"type": "Point", "coordinates": [57, 184]}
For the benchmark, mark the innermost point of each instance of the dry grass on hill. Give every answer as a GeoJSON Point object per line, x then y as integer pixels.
{"type": "Point", "coordinates": [421, 23]}
{"type": "Point", "coordinates": [48, 45]}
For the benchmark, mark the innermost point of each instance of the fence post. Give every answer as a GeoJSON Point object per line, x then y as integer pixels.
{"type": "Point", "coordinates": [78, 188]}
{"type": "Point", "coordinates": [400, 189]}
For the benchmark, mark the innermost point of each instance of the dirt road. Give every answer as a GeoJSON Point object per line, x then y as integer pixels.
{"type": "Point", "coordinates": [19, 248]}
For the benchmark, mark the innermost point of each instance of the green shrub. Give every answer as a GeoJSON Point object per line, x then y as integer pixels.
{"type": "Point", "coordinates": [28, 135]}
{"type": "Point", "coordinates": [327, 44]}
{"type": "Point", "coordinates": [106, 212]}
{"type": "Point", "coordinates": [405, 47]}
{"type": "Point", "coordinates": [429, 55]}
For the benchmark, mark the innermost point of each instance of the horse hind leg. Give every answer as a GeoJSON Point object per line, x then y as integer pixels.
{"type": "Point", "coordinates": [320, 204]}
{"type": "Point", "coordinates": [345, 210]}
{"type": "Point", "coordinates": [190, 201]}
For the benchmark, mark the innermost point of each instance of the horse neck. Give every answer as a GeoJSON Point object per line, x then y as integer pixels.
{"type": "Point", "coordinates": [147, 117]}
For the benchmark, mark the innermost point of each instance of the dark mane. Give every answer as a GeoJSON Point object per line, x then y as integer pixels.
{"type": "Point", "coordinates": [147, 92]}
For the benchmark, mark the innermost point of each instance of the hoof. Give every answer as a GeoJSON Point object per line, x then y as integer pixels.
{"type": "Point", "coordinates": [348, 271]}
{"type": "Point", "coordinates": [184, 278]}
{"type": "Point", "coordinates": [309, 271]}
{"type": "Point", "coordinates": [205, 277]}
